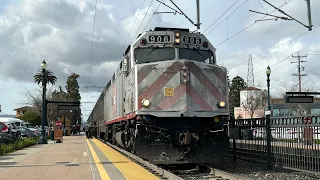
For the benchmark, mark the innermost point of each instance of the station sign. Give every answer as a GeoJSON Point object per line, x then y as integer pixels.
{"type": "Point", "coordinates": [299, 99]}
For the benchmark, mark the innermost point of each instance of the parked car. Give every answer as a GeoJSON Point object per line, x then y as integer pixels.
{"type": "Point", "coordinates": [26, 132]}
{"type": "Point", "coordinates": [6, 134]}
{"type": "Point", "coordinates": [29, 126]}
{"type": "Point", "coordinates": [13, 128]}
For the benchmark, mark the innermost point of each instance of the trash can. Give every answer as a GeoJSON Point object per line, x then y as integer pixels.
{"type": "Point", "coordinates": [52, 135]}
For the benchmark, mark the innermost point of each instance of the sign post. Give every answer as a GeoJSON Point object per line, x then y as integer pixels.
{"type": "Point", "coordinates": [58, 132]}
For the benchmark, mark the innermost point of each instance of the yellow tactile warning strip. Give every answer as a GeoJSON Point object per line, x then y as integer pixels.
{"type": "Point", "coordinates": [102, 171]}
{"type": "Point", "coordinates": [130, 170]}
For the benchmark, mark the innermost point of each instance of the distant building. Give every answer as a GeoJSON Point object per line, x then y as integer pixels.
{"type": "Point", "coordinates": [245, 94]}
{"type": "Point", "coordinates": [21, 110]}
{"type": "Point", "coordinates": [249, 92]}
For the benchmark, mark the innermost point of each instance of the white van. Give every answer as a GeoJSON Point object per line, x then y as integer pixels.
{"type": "Point", "coordinates": [17, 121]}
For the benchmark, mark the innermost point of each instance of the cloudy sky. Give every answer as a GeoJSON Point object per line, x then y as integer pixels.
{"type": "Point", "coordinates": [60, 31]}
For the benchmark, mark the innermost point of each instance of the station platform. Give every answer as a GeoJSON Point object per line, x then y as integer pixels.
{"type": "Point", "coordinates": [76, 158]}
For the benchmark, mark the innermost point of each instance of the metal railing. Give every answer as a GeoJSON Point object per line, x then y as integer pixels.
{"type": "Point", "coordinates": [290, 142]}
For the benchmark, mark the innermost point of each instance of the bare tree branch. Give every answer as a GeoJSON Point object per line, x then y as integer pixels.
{"type": "Point", "coordinates": [255, 100]}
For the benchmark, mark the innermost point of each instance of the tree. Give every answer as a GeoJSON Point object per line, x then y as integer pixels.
{"type": "Point", "coordinates": [255, 100]}
{"type": "Point", "coordinates": [74, 95]}
{"type": "Point", "coordinates": [57, 95]}
{"type": "Point", "coordinates": [51, 78]}
{"type": "Point", "coordinates": [237, 84]}
{"type": "Point", "coordinates": [31, 117]}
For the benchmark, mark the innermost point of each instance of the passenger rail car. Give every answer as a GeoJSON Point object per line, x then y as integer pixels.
{"type": "Point", "coordinates": [168, 100]}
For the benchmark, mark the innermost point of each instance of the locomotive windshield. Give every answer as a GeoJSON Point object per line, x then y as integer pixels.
{"type": "Point", "coordinates": [197, 55]}
{"type": "Point", "coordinates": [153, 54]}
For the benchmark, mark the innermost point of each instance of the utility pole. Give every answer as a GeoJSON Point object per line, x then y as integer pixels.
{"type": "Point", "coordinates": [299, 68]}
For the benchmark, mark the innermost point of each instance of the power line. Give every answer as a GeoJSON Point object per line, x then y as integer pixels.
{"type": "Point", "coordinates": [134, 37]}
{"type": "Point", "coordinates": [268, 50]}
{"type": "Point", "coordinates": [153, 14]}
{"type": "Point", "coordinates": [131, 28]}
{"type": "Point", "coordinates": [221, 15]}
{"type": "Point", "coordinates": [130, 32]}
{"type": "Point", "coordinates": [93, 28]}
{"type": "Point", "coordinates": [248, 26]}
{"type": "Point", "coordinates": [226, 17]}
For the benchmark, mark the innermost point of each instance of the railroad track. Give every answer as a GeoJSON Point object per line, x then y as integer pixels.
{"type": "Point", "coordinates": [199, 171]}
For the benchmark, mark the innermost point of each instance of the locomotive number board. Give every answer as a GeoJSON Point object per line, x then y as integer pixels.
{"type": "Point", "coordinates": [192, 40]}
{"type": "Point", "coordinates": [159, 39]}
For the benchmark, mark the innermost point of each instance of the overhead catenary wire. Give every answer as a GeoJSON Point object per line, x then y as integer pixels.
{"type": "Point", "coordinates": [111, 71]}
{"type": "Point", "coordinates": [242, 30]}
{"type": "Point", "coordinates": [134, 37]}
{"type": "Point", "coordinates": [128, 35]}
{"type": "Point", "coordinates": [268, 50]}
{"type": "Point", "coordinates": [221, 16]}
{"type": "Point", "coordinates": [93, 30]}
{"type": "Point", "coordinates": [163, 1]}
{"type": "Point", "coordinates": [131, 29]}
{"type": "Point", "coordinates": [227, 17]}
{"type": "Point", "coordinates": [92, 40]}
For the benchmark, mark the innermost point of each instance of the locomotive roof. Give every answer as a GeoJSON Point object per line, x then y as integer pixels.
{"type": "Point", "coordinates": [170, 29]}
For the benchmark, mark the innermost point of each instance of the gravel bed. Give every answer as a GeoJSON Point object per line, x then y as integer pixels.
{"type": "Point", "coordinates": [256, 171]}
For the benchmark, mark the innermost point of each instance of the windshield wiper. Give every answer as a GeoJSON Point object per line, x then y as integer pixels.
{"type": "Point", "coordinates": [197, 50]}
{"type": "Point", "coordinates": [153, 49]}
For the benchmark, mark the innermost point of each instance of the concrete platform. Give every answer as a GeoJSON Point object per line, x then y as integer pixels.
{"type": "Point", "coordinates": [76, 158]}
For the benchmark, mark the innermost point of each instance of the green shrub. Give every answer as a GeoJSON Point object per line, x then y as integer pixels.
{"type": "Point", "coordinates": [17, 145]}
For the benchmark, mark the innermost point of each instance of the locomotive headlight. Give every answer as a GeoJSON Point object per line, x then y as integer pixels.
{"type": "Point", "coordinates": [145, 103]}
{"type": "Point", "coordinates": [185, 80]}
{"type": "Point", "coordinates": [177, 34]}
{"type": "Point", "coordinates": [177, 40]}
{"type": "Point", "coordinates": [221, 104]}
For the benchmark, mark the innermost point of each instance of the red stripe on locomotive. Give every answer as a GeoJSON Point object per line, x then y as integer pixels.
{"type": "Point", "coordinates": [159, 83]}
{"type": "Point", "coordinates": [197, 98]}
{"type": "Point", "coordinates": [167, 103]}
{"type": "Point", "coordinates": [197, 72]}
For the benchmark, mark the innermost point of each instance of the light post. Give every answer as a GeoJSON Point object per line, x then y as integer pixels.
{"type": "Point", "coordinates": [268, 72]}
{"type": "Point", "coordinates": [43, 138]}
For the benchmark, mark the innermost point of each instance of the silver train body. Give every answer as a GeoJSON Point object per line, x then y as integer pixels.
{"type": "Point", "coordinates": [168, 100]}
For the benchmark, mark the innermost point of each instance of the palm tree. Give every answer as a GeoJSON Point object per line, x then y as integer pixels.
{"type": "Point", "coordinates": [51, 78]}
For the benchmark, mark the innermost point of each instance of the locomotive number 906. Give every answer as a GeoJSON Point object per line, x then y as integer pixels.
{"type": "Point", "coordinates": [192, 40]}
{"type": "Point", "coordinates": [159, 39]}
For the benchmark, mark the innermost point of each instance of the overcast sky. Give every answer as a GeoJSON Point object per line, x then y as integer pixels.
{"type": "Point", "coordinates": [60, 31]}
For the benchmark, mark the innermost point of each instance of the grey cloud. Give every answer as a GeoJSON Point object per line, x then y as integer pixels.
{"type": "Point", "coordinates": [61, 32]}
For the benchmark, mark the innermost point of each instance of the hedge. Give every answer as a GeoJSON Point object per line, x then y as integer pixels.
{"type": "Point", "coordinates": [17, 145]}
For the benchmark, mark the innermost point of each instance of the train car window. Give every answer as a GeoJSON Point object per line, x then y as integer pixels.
{"type": "Point", "coordinates": [197, 55]}
{"type": "Point", "coordinates": [153, 54]}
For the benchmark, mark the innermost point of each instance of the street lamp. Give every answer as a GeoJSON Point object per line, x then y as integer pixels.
{"type": "Point", "coordinates": [43, 138]}
{"type": "Point", "coordinates": [268, 72]}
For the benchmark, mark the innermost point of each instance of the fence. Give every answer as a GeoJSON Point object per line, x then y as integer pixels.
{"type": "Point", "coordinates": [291, 142]}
